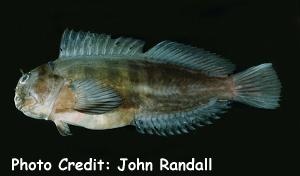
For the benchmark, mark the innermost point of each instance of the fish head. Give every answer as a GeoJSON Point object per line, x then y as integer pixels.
{"type": "Point", "coordinates": [37, 90]}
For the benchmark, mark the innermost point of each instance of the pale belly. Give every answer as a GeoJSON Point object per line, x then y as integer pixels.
{"type": "Point", "coordinates": [114, 119]}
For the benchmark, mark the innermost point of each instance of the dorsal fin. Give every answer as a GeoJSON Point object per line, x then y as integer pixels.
{"type": "Point", "coordinates": [179, 122]}
{"type": "Point", "coordinates": [74, 44]}
{"type": "Point", "coordinates": [91, 44]}
{"type": "Point", "coordinates": [190, 57]}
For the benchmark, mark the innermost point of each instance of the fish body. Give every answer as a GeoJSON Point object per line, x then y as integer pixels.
{"type": "Point", "coordinates": [142, 85]}
{"type": "Point", "coordinates": [103, 83]}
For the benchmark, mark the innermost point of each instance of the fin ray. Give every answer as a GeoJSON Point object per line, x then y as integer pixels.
{"type": "Point", "coordinates": [190, 57]}
{"type": "Point", "coordinates": [258, 86]}
{"type": "Point", "coordinates": [74, 44]}
{"type": "Point", "coordinates": [63, 128]}
{"type": "Point", "coordinates": [94, 98]}
{"type": "Point", "coordinates": [80, 43]}
{"type": "Point", "coordinates": [179, 122]}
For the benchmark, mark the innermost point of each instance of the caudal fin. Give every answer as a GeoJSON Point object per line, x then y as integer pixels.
{"type": "Point", "coordinates": [258, 86]}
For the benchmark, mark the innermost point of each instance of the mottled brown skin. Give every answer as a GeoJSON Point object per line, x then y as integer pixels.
{"type": "Point", "coordinates": [35, 97]}
{"type": "Point", "coordinates": [65, 100]}
{"type": "Point", "coordinates": [144, 87]}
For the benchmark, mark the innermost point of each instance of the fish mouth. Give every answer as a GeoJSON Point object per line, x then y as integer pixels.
{"type": "Point", "coordinates": [19, 107]}
{"type": "Point", "coordinates": [22, 103]}
{"type": "Point", "coordinates": [18, 102]}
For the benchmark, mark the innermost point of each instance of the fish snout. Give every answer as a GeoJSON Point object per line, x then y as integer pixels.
{"type": "Point", "coordinates": [18, 102]}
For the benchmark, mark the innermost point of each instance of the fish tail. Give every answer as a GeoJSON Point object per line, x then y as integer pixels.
{"type": "Point", "coordinates": [257, 86]}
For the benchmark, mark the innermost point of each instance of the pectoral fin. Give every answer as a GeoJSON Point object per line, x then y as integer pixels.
{"type": "Point", "coordinates": [63, 128]}
{"type": "Point", "coordinates": [92, 97]}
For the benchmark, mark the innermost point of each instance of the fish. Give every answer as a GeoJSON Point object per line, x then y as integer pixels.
{"type": "Point", "coordinates": [99, 82]}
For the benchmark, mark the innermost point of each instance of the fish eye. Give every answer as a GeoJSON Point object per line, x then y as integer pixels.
{"type": "Point", "coordinates": [24, 78]}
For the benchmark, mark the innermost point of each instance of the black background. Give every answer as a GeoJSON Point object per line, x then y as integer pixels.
{"type": "Point", "coordinates": [245, 141]}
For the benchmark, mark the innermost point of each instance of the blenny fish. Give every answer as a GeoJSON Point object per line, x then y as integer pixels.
{"type": "Point", "coordinates": [99, 82]}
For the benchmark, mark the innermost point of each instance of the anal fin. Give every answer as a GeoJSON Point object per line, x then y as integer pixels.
{"type": "Point", "coordinates": [179, 122]}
